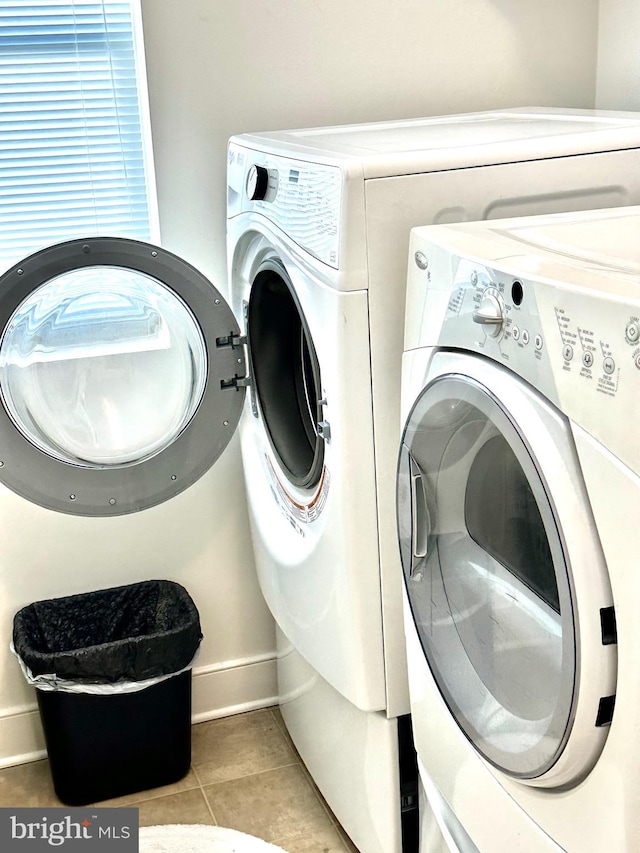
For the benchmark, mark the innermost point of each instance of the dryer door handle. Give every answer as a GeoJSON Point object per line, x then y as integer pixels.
{"type": "Point", "coordinates": [420, 521]}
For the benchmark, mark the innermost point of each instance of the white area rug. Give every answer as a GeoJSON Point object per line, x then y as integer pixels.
{"type": "Point", "coordinates": [196, 838]}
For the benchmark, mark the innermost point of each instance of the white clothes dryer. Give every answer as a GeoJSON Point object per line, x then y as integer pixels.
{"type": "Point", "coordinates": [318, 225]}
{"type": "Point", "coordinates": [518, 500]}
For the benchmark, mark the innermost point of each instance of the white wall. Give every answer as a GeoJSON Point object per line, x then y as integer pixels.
{"type": "Point", "coordinates": [618, 67]}
{"type": "Point", "coordinates": [216, 68]}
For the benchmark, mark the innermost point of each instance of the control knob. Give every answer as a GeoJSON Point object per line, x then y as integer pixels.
{"type": "Point", "coordinates": [490, 313]}
{"type": "Point", "coordinates": [257, 183]}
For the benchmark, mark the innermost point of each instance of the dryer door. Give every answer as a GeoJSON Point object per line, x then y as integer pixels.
{"type": "Point", "coordinates": [121, 376]}
{"type": "Point", "coordinates": [504, 572]}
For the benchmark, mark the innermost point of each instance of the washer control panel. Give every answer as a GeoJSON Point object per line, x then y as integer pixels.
{"type": "Point", "coordinates": [303, 199]}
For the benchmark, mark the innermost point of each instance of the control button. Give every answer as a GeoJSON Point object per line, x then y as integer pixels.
{"type": "Point", "coordinates": [608, 365]}
{"type": "Point", "coordinates": [567, 352]}
{"type": "Point", "coordinates": [587, 358]}
{"type": "Point", "coordinates": [638, 362]}
{"type": "Point", "coordinates": [538, 342]}
{"type": "Point", "coordinates": [525, 337]}
{"type": "Point", "coordinates": [632, 332]}
{"type": "Point", "coordinates": [257, 183]}
{"type": "Point", "coordinates": [515, 333]}
{"type": "Point", "coordinates": [422, 262]}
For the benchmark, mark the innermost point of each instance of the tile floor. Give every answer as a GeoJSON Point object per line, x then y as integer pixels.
{"type": "Point", "coordinates": [245, 774]}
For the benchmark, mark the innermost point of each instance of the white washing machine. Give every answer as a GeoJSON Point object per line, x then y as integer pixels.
{"type": "Point", "coordinates": [318, 225]}
{"type": "Point", "coordinates": [518, 506]}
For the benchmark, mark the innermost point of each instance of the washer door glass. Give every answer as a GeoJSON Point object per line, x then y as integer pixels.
{"type": "Point", "coordinates": [121, 376]}
{"type": "Point", "coordinates": [486, 576]}
{"type": "Point", "coordinates": [102, 367]}
{"type": "Point", "coordinates": [286, 375]}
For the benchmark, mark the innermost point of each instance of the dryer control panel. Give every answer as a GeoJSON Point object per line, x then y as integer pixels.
{"type": "Point", "coordinates": [579, 346]}
{"type": "Point", "coordinates": [302, 198]}
{"type": "Point", "coordinates": [495, 313]}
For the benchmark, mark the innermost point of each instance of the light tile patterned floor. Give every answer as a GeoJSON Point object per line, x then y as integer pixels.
{"type": "Point", "coordinates": [245, 774]}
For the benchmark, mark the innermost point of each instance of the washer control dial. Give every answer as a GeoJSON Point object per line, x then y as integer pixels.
{"type": "Point", "coordinates": [490, 313]}
{"type": "Point", "coordinates": [257, 183]}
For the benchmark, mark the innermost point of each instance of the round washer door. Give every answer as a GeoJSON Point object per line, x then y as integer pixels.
{"type": "Point", "coordinates": [121, 376]}
{"type": "Point", "coordinates": [504, 572]}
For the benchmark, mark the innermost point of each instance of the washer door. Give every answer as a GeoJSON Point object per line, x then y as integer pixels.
{"type": "Point", "coordinates": [121, 376]}
{"type": "Point", "coordinates": [504, 572]}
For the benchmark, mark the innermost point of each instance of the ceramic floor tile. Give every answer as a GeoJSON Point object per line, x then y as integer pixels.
{"type": "Point", "coordinates": [317, 792]}
{"type": "Point", "coordinates": [325, 841]}
{"type": "Point", "coordinates": [184, 784]}
{"type": "Point", "coordinates": [276, 805]}
{"type": "Point", "coordinates": [345, 841]}
{"type": "Point", "coordinates": [27, 786]}
{"type": "Point", "coordinates": [246, 774]}
{"type": "Point", "coordinates": [277, 716]}
{"type": "Point", "coordinates": [184, 807]}
{"type": "Point", "coordinates": [238, 746]}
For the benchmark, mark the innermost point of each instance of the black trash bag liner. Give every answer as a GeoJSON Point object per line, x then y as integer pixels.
{"type": "Point", "coordinates": [127, 633]}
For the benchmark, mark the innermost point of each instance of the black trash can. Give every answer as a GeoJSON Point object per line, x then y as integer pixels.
{"type": "Point", "coordinates": [113, 682]}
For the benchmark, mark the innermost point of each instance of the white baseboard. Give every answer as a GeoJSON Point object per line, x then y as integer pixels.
{"type": "Point", "coordinates": [220, 690]}
{"type": "Point", "coordinates": [234, 686]}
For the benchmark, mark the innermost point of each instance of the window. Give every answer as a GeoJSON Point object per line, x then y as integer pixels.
{"type": "Point", "coordinates": [75, 155]}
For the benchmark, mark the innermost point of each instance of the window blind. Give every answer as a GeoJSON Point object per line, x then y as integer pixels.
{"type": "Point", "coordinates": [72, 137]}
